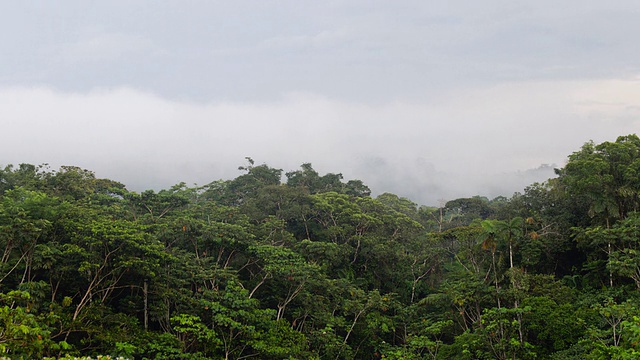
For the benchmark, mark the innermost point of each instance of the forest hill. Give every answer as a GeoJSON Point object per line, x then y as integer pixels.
{"type": "Point", "coordinates": [314, 267]}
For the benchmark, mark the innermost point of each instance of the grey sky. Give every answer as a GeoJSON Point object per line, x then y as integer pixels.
{"type": "Point", "coordinates": [430, 100]}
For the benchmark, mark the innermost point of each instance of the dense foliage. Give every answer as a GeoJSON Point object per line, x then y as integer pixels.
{"type": "Point", "coordinates": [314, 267]}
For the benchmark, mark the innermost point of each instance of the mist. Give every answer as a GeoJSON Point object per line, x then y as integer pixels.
{"type": "Point", "coordinates": [485, 141]}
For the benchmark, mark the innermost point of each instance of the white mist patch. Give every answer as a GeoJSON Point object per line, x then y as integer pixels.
{"type": "Point", "coordinates": [475, 141]}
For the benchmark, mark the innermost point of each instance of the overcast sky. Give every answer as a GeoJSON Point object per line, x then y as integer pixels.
{"type": "Point", "coordinates": [432, 100]}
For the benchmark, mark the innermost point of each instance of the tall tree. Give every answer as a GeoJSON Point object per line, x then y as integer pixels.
{"type": "Point", "coordinates": [606, 176]}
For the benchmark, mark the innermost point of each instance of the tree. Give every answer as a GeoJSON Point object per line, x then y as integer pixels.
{"type": "Point", "coordinates": [25, 334]}
{"type": "Point", "coordinates": [232, 326]}
{"type": "Point", "coordinates": [30, 177]}
{"type": "Point", "coordinates": [504, 335]}
{"type": "Point", "coordinates": [288, 272]}
{"type": "Point", "coordinates": [468, 209]}
{"type": "Point", "coordinates": [621, 243]}
{"type": "Point", "coordinates": [100, 255]}
{"type": "Point", "coordinates": [245, 186]}
{"type": "Point", "coordinates": [26, 217]}
{"type": "Point", "coordinates": [606, 176]}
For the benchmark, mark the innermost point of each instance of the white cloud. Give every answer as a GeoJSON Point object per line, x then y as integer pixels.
{"type": "Point", "coordinates": [458, 144]}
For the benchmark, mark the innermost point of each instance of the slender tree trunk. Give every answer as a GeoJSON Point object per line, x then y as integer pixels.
{"type": "Point", "coordinates": [609, 251]}
{"type": "Point", "coordinates": [510, 255]}
{"type": "Point", "coordinates": [610, 271]}
{"type": "Point", "coordinates": [495, 276]}
{"type": "Point", "coordinates": [145, 291]}
{"type": "Point", "coordinates": [353, 325]}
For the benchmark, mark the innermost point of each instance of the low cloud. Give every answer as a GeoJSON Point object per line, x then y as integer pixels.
{"type": "Point", "coordinates": [484, 141]}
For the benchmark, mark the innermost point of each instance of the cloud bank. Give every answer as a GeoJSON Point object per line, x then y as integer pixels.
{"type": "Point", "coordinates": [478, 141]}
